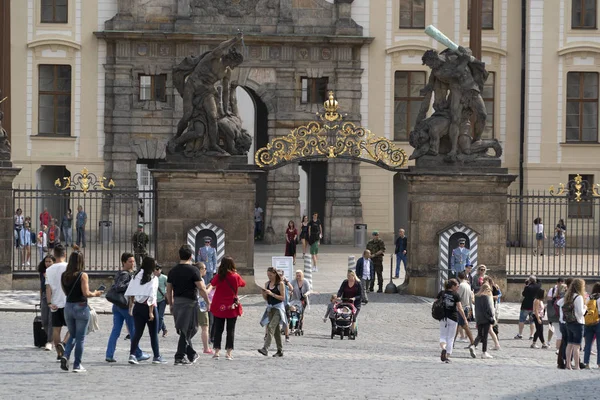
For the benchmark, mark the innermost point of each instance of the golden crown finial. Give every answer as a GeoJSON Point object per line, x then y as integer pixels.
{"type": "Point", "coordinates": [331, 106]}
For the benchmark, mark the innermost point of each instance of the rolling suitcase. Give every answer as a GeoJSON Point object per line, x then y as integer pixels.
{"type": "Point", "coordinates": [39, 334]}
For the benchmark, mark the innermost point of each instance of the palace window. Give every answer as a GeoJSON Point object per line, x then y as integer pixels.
{"type": "Point", "coordinates": [412, 14]}
{"type": "Point", "coordinates": [54, 100]}
{"type": "Point", "coordinates": [314, 90]}
{"type": "Point", "coordinates": [54, 11]}
{"type": "Point", "coordinates": [585, 207]}
{"type": "Point", "coordinates": [582, 107]}
{"type": "Point", "coordinates": [487, 15]}
{"type": "Point", "coordinates": [407, 101]}
{"type": "Point", "coordinates": [583, 14]}
{"type": "Point", "coordinates": [153, 87]}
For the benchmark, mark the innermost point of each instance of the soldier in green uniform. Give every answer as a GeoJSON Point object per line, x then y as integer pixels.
{"type": "Point", "coordinates": [140, 241]}
{"type": "Point", "coordinates": [377, 248]}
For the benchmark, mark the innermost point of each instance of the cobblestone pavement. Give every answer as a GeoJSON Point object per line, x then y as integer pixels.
{"type": "Point", "coordinates": [396, 355]}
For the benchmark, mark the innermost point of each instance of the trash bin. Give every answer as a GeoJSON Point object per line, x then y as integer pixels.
{"type": "Point", "coordinates": [360, 235]}
{"type": "Point", "coordinates": [105, 231]}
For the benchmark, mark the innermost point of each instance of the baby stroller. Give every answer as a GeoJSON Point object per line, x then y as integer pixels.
{"type": "Point", "coordinates": [343, 315]}
{"type": "Point", "coordinates": [296, 318]}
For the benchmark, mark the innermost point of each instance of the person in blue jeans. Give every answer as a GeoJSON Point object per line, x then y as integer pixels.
{"type": "Point", "coordinates": [121, 315]}
{"type": "Point", "coordinates": [401, 252]}
{"type": "Point", "coordinates": [161, 299]}
{"type": "Point", "coordinates": [591, 331]}
{"type": "Point", "coordinates": [75, 284]}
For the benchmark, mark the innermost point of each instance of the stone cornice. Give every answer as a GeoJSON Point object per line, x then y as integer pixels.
{"type": "Point", "coordinates": [579, 47]}
{"type": "Point", "coordinates": [54, 42]}
{"type": "Point", "coordinates": [249, 38]}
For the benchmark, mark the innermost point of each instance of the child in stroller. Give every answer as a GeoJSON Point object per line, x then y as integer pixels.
{"type": "Point", "coordinates": [344, 314]}
{"type": "Point", "coordinates": [296, 317]}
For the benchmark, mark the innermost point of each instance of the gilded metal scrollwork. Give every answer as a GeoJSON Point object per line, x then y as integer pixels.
{"type": "Point", "coordinates": [84, 181]}
{"type": "Point", "coordinates": [578, 188]}
{"type": "Point", "coordinates": [339, 140]}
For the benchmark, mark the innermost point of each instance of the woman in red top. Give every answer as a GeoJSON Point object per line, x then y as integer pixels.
{"type": "Point", "coordinates": [225, 305]}
{"type": "Point", "coordinates": [291, 235]}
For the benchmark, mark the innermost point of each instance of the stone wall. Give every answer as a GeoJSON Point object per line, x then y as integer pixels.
{"type": "Point", "coordinates": [285, 40]}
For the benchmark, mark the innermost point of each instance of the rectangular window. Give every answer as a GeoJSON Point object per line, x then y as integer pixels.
{"type": "Point", "coordinates": [585, 207]}
{"type": "Point", "coordinates": [582, 107]}
{"type": "Point", "coordinates": [153, 87]}
{"type": "Point", "coordinates": [488, 97]}
{"type": "Point", "coordinates": [54, 11]}
{"type": "Point", "coordinates": [54, 111]}
{"type": "Point", "coordinates": [314, 90]}
{"type": "Point", "coordinates": [583, 14]}
{"type": "Point", "coordinates": [412, 14]}
{"type": "Point", "coordinates": [487, 15]}
{"type": "Point", "coordinates": [407, 101]}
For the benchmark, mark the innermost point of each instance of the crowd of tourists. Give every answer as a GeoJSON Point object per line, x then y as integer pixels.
{"type": "Point", "coordinates": [572, 316]}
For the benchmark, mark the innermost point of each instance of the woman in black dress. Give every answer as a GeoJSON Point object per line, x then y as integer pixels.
{"type": "Point", "coordinates": [304, 234]}
{"type": "Point", "coordinates": [291, 235]}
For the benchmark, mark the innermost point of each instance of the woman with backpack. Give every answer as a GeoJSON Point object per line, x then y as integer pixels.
{"type": "Point", "coordinates": [592, 326]}
{"type": "Point", "coordinates": [448, 324]}
{"type": "Point", "coordinates": [573, 309]}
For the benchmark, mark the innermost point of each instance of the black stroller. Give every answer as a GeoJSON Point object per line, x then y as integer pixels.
{"type": "Point", "coordinates": [343, 315]}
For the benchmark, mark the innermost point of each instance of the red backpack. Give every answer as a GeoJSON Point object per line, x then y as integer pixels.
{"type": "Point", "coordinates": [51, 234]}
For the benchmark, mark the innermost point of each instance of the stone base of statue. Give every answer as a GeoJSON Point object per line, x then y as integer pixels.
{"type": "Point", "coordinates": [445, 205]}
{"type": "Point", "coordinates": [7, 176]}
{"type": "Point", "coordinates": [204, 194]}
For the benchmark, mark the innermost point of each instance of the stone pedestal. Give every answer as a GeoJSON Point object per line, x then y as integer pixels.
{"type": "Point", "coordinates": [218, 190]}
{"type": "Point", "coordinates": [438, 198]}
{"type": "Point", "coordinates": [7, 176]}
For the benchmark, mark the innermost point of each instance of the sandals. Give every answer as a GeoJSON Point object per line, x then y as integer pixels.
{"type": "Point", "coordinates": [229, 357]}
{"type": "Point", "coordinates": [215, 357]}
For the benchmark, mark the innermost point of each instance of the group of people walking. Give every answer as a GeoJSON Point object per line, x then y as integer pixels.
{"type": "Point", "coordinates": [310, 236]}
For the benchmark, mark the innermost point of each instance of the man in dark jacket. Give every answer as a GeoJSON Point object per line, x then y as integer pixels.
{"type": "Point", "coordinates": [366, 273]}
{"type": "Point", "coordinates": [529, 292]}
{"type": "Point", "coordinates": [401, 251]}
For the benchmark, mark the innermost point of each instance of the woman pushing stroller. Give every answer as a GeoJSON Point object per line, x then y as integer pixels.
{"type": "Point", "coordinates": [351, 291]}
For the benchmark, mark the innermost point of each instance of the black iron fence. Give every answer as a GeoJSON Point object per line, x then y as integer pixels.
{"type": "Point", "coordinates": [566, 245]}
{"type": "Point", "coordinates": [112, 218]}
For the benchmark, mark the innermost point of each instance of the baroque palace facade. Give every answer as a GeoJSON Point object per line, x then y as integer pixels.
{"type": "Point", "coordinates": [92, 87]}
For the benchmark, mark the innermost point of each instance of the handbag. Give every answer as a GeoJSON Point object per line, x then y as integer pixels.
{"type": "Point", "coordinates": [93, 324]}
{"type": "Point", "coordinates": [117, 298]}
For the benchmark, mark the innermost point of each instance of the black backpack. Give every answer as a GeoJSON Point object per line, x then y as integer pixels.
{"type": "Point", "coordinates": [438, 309]}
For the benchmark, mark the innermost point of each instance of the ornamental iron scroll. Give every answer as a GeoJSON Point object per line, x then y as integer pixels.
{"type": "Point", "coordinates": [84, 181]}
{"type": "Point", "coordinates": [333, 139]}
{"type": "Point", "coordinates": [577, 189]}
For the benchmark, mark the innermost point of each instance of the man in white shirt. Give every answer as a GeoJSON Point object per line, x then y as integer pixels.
{"type": "Point", "coordinates": [58, 299]}
{"type": "Point", "coordinates": [258, 220]}
{"type": "Point", "coordinates": [365, 272]}
{"type": "Point", "coordinates": [466, 300]}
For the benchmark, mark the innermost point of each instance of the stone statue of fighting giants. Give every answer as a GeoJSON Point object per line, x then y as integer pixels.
{"type": "Point", "coordinates": [210, 111]}
{"type": "Point", "coordinates": [455, 85]}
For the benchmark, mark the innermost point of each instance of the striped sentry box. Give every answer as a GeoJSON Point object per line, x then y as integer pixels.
{"type": "Point", "coordinates": [219, 233]}
{"type": "Point", "coordinates": [444, 250]}
{"type": "Point", "coordinates": [308, 269]}
{"type": "Point", "coordinates": [351, 263]}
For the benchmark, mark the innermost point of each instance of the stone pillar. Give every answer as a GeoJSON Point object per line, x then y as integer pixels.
{"type": "Point", "coordinates": [344, 24]}
{"type": "Point", "coordinates": [7, 176]}
{"type": "Point", "coordinates": [286, 21]}
{"type": "Point", "coordinates": [184, 15]}
{"type": "Point", "coordinates": [186, 197]}
{"type": "Point", "coordinates": [438, 198]}
{"type": "Point", "coordinates": [342, 201]}
{"type": "Point", "coordinates": [283, 190]}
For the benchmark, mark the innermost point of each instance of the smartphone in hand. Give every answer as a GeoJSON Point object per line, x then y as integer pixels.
{"type": "Point", "coordinates": [102, 288]}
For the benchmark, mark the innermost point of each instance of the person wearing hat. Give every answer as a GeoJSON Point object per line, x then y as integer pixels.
{"type": "Point", "coordinates": [469, 272]}
{"type": "Point", "coordinates": [460, 258]}
{"type": "Point", "coordinates": [208, 255]}
{"type": "Point", "coordinates": [140, 241]}
{"type": "Point", "coordinates": [377, 248]}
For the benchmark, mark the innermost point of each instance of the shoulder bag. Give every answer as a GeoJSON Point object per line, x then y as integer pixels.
{"type": "Point", "coordinates": [116, 297]}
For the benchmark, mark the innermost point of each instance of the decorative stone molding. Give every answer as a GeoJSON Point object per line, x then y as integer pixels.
{"type": "Point", "coordinates": [148, 149]}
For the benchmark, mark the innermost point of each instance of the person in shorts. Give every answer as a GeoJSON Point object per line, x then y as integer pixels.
{"type": "Point", "coordinates": [315, 234]}
{"type": "Point", "coordinates": [203, 319]}
{"type": "Point", "coordinates": [57, 298]}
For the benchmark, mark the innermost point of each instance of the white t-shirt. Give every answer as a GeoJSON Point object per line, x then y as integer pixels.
{"type": "Point", "coordinates": [143, 293]}
{"type": "Point", "coordinates": [44, 241]}
{"type": "Point", "coordinates": [366, 269]}
{"type": "Point", "coordinates": [258, 214]}
{"type": "Point", "coordinates": [580, 309]}
{"type": "Point", "coordinates": [539, 228]}
{"type": "Point", "coordinates": [53, 276]}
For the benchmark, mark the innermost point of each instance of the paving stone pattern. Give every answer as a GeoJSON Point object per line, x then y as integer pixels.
{"type": "Point", "coordinates": [396, 355]}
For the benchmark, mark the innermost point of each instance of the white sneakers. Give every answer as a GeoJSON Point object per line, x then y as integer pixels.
{"type": "Point", "coordinates": [486, 355]}
{"type": "Point", "coordinates": [48, 347]}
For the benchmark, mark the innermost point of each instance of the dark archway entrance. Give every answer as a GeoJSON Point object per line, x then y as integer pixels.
{"type": "Point", "coordinates": [316, 189]}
